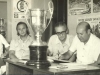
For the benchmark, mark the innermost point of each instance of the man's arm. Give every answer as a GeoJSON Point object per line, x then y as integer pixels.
{"type": "Point", "coordinates": [49, 53]}
{"type": "Point", "coordinates": [97, 62]}
{"type": "Point", "coordinates": [12, 56]}
{"type": "Point", "coordinates": [67, 55]}
{"type": "Point", "coordinates": [73, 58]}
{"type": "Point", "coordinates": [6, 53]}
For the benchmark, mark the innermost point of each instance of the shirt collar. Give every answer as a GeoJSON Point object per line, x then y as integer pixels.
{"type": "Point", "coordinates": [59, 42]}
{"type": "Point", "coordinates": [25, 40]}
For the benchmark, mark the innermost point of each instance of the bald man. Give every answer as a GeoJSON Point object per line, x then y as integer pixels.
{"type": "Point", "coordinates": [85, 44]}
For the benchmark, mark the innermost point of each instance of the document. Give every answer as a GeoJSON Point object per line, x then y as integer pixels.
{"type": "Point", "coordinates": [69, 66]}
{"type": "Point", "coordinates": [72, 66]}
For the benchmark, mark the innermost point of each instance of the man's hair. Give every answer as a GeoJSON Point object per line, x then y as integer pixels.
{"type": "Point", "coordinates": [19, 23]}
{"type": "Point", "coordinates": [61, 24]}
{"type": "Point", "coordinates": [87, 26]}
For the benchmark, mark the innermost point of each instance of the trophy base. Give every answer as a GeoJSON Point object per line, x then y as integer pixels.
{"type": "Point", "coordinates": [38, 56]}
{"type": "Point", "coordinates": [39, 64]}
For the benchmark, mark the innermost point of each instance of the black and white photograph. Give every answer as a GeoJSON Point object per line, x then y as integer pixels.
{"type": "Point", "coordinates": [49, 37]}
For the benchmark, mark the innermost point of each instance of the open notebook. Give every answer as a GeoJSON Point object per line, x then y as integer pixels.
{"type": "Point", "coordinates": [61, 61]}
{"type": "Point", "coordinates": [51, 59]}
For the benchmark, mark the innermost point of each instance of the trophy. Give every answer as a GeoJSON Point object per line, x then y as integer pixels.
{"type": "Point", "coordinates": [38, 49]}
{"type": "Point", "coordinates": [2, 28]}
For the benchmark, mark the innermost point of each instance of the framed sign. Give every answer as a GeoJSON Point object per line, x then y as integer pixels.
{"type": "Point", "coordinates": [78, 7]}
{"type": "Point", "coordinates": [20, 8]}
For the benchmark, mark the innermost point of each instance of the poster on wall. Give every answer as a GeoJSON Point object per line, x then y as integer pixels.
{"type": "Point", "coordinates": [78, 7]}
{"type": "Point", "coordinates": [96, 6]}
{"type": "Point", "coordinates": [94, 21]}
{"type": "Point", "coordinates": [20, 8]}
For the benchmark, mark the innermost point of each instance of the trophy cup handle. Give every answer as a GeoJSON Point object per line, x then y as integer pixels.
{"type": "Point", "coordinates": [51, 9]}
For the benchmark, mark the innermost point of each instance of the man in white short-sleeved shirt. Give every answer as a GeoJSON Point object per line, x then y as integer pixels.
{"type": "Point", "coordinates": [19, 47]}
{"type": "Point", "coordinates": [86, 53]}
{"type": "Point", "coordinates": [55, 46]}
{"type": "Point", "coordinates": [85, 44]}
{"type": "Point", "coordinates": [3, 55]}
{"type": "Point", "coordinates": [3, 42]}
{"type": "Point", "coordinates": [60, 42]}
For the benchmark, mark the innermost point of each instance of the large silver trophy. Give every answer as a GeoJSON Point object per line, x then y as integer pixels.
{"type": "Point", "coordinates": [38, 49]}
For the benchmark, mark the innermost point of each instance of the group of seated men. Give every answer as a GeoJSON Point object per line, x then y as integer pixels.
{"type": "Point", "coordinates": [83, 48]}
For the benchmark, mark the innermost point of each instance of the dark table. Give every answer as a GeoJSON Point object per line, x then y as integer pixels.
{"type": "Point", "coordinates": [23, 69]}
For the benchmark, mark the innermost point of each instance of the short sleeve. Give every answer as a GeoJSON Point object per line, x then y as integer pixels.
{"type": "Point", "coordinates": [73, 46]}
{"type": "Point", "coordinates": [3, 40]}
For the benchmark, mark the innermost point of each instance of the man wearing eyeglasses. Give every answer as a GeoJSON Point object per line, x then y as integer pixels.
{"type": "Point", "coordinates": [60, 42]}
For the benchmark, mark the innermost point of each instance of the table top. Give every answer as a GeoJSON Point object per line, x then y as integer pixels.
{"type": "Point", "coordinates": [60, 67]}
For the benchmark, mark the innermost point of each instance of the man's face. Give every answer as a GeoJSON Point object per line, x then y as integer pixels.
{"type": "Point", "coordinates": [61, 32]}
{"type": "Point", "coordinates": [22, 30]}
{"type": "Point", "coordinates": [82, 34]}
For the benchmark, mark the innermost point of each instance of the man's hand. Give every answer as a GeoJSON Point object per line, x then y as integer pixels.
{"type": "Point", "coordinates": [49, 53]}
{"type": "Point", "coordinates": [94, 64]}
{"type": "Point", "coordinates": [62, 57]}
{"type": "Point", "coordinates": [14, 60]}
{"type": "Point", "coordinates": [3, 55]}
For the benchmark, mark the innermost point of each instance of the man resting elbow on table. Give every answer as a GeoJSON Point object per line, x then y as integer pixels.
{"type": "Point", "coordinates": [86, 45]}
{"type": "Point", "coordinates": [19, 48]}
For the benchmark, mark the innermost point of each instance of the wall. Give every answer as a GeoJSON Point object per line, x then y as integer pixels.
{"type": "Point", "coordinates": [72, 21]}
{"type": "Point", "coordinates": [9, 20]}
{"type": "Point", "coordinates": [42, 4]}
{"type": "Point", "coordinates": [3, 13]}
{"type": "Point", "coordinates": [3, 10]}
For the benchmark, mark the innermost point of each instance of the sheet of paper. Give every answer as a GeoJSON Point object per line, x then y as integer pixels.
{"type": "Point", "coordinates": [73, 67]}
{"type": "Point", "coordinates": [69, 66]}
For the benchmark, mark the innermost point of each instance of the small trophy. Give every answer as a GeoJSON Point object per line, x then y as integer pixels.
{"type": "Point", "coordinates": [38, 49]}
{"type": "Point", "coordinates": [2, 28]}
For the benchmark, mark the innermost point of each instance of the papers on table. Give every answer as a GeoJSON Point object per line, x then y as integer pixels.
{"type": "Point", "coordinates": [68, 66]}
{"type": "Point", "coordinates": [52, 59]}
{"type": "Point", "coordinates": [72, 67]}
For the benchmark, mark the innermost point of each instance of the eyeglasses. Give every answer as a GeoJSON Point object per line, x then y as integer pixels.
{"type": "Point", "coordinates": [59, 33]}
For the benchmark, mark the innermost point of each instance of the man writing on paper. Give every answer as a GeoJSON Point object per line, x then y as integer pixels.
{"type": "Point", "coordinates": [60, 42]}
{"type": "Point", "coordinates": [86, 45]}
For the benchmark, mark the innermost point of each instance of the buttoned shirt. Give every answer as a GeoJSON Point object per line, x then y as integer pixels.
{"type": "Point", "coordinates": [3, 41]}
{"type": "Point", "coordinates": [21, 48]}
{"type": "Point", "coordinates": [86, 53]}
{"type": "Point", "coordinates": [56, 47]}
